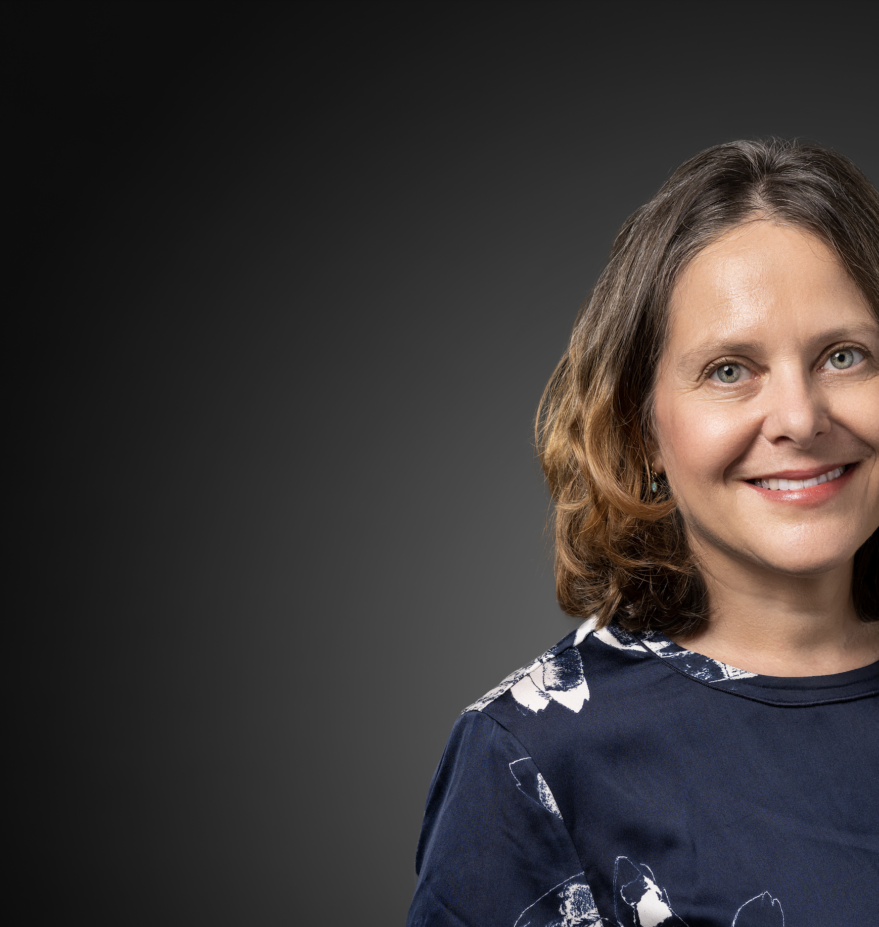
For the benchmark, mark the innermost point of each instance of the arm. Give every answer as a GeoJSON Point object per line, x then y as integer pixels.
{"type": "Point", "coordinates": [494, 849]}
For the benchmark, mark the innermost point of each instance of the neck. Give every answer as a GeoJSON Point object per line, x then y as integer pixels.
{"type": "Point", "coordinates": [774, 624]}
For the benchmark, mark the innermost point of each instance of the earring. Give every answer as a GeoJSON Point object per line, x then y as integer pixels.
{"type": "Point", "coordinates": [653, 486]}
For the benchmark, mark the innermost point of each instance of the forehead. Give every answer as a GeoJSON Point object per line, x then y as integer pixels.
{"type": "Point", "coordinates": [761, 277]}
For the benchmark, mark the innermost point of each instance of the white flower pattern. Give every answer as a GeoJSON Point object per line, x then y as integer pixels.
{"type": "Point", "coordinates": [639, 901]}
{"type": "Point", "coordinates": [564, 682]}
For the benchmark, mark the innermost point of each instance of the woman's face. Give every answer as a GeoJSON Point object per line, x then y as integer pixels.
{"type": "Point", "coordinates": [768, 386]}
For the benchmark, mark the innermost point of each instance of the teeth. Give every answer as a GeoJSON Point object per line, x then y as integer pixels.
{"type": "Point", "coordinates": [801, 484]}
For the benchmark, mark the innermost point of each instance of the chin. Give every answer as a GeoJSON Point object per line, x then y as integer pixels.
{"type": "Point", "coordinates": [804, 566]}
{"type": "Point", "coordinates": [805, 557]}
{"type": "Point", "coordinates": [798, 553]}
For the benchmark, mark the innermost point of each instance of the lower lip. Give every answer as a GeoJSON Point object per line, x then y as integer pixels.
{"type": "Point", "coordinates": [813, 494]}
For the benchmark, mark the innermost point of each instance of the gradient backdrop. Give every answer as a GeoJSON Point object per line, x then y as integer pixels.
{"type": "Point", "coordinates": [294, 276]}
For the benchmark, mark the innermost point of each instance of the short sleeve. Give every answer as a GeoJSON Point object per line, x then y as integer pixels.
{"type": "Point", "coordinates": [494, 849]}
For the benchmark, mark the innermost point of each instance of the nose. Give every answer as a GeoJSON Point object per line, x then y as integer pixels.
{"type": "Point", "coordinates": [797, 409]}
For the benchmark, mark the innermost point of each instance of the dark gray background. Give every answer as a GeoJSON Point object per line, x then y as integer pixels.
{"type": "Point", "coordinates": [290, 281]}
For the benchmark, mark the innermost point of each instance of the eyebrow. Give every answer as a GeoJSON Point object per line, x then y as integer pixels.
{"type": "Point", "coordinates": [719, 348]}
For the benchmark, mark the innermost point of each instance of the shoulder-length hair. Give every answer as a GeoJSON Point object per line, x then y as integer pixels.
{"type": "Point", "coordinates": [620, 550]}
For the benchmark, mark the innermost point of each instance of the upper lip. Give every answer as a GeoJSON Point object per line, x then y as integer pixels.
{"type": "Point", "coordinates": [798, 474]}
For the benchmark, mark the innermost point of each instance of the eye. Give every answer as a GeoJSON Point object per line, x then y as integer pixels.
{"type": "Point", "coordinates": [728, 373]}
{"type": "Point", "coordinates": [843, 358]}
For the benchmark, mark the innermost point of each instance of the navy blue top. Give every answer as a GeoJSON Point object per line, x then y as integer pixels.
{"type": "Point", "coordinates": [620, 780]}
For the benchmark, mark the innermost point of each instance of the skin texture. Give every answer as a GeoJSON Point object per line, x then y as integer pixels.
{"type": "Point", "coordinates": [769, 307]}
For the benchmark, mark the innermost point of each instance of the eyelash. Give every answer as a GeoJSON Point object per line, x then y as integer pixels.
{"type": "Point", "coordinates": [711, 369]}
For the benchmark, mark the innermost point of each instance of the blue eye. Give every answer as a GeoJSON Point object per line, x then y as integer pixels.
{"type": "Point", "coordinates": [843, 359]}
{"type": "Point", "coordinates": [728, 373]}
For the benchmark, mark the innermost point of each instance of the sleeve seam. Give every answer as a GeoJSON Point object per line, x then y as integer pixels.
{"type": "Point", "coordinates": [529, 754]}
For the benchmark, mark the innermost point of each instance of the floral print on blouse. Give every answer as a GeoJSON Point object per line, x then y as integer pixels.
{"type": "Point", "coordinates": [620, 780]}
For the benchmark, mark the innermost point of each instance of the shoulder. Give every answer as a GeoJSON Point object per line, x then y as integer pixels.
{"type": "Point", "coordinates": [493, 841]}
{"type": "Point", "coordinates": [560, 675]}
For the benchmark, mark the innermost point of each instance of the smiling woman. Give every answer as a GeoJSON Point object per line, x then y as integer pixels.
{"type": "Point", "coordinates": [702, 750]}
{"type": "Point", "coordinates": [765, 414]}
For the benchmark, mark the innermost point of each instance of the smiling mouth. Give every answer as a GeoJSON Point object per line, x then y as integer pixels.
{"type": "Point", "coordinates": [780, 484]}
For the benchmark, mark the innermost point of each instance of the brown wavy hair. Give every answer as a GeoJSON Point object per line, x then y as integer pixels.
{"type": "Point", "coordinates": [620, 550]}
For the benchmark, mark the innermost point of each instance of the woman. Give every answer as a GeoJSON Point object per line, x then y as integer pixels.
{"type": "Point", "coordinates": [704, 749]}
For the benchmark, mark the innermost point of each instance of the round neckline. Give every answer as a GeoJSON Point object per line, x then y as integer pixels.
{"type": "Point", "coordinates": [799, 690]}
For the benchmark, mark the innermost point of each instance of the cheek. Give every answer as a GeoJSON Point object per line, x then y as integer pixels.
{"type": "Point", "coordinates": [864, 417]}
{"type": "Point", "coordinates": [854, 415]}
{"type": "Point", "coordinates": [699, 442]}
{"type": "Point", "coordinates": [857, 423]}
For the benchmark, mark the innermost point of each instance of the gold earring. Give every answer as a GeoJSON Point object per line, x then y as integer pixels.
{"type": "Point", "coordinates": [653, 486]}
